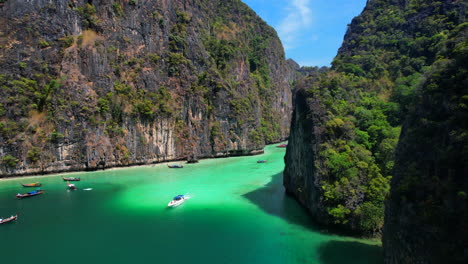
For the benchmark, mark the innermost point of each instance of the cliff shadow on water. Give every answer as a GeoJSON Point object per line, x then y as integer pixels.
{"type": "Point", "coordinates": [272, 199]}
{"type": "Point", "coordinates": [338, 252]}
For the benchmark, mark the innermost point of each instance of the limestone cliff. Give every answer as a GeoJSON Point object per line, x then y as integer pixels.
{"type": "Point", "coordinates": [426, 214]}
{"type": "Point", "coordinates": [347, 121]}
{"type": "Point", "coordinates": [300, 176]}
{"type": "Point", "coordinates": [91, 84]}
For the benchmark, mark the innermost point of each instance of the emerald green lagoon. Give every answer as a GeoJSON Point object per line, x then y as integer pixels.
{"type": "Point", "coordinates": [238, 213]}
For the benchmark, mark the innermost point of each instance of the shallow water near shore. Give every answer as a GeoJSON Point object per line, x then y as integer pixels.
{"type": "Point", "coordinates": [237, 213]}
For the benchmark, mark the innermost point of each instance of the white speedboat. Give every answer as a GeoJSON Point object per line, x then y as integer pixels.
{"type": "Point", "coordinates": [178, 200]}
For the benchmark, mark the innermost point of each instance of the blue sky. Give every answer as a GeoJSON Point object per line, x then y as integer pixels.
{"type": "Point", "coordinates": [311, 30]}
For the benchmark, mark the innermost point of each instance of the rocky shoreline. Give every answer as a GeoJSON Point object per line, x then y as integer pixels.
{"type": "Point", "coordinates": [113, 165]}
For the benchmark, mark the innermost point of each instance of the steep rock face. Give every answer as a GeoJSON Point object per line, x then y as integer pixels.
{"type": "Point", "coordinates": [355, 111]}
{"type": "Point", "coordinates": [91, 84]}
{"type": "Point", "coordinates": [426, 214]}
{"type": "Point", "coordinates": [300, 177]}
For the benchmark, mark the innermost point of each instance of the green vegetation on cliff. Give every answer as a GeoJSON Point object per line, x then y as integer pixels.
{"type": "Point", "coordinates": [359, 105]}
{"type": "Point", "coordinates": [428, 204]}
{"type": "Point", "coordinates": [118, 83]}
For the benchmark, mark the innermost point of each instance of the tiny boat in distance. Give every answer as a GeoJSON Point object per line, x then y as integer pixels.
{"type": "Point", "coordinates": [178, 200]}
{"type": "Point", "coordinates": [176, 166]}
{"type": "Point", "coordinates": [36, 184]}
{"type": "Point", "coordinates": [282, 146]}
{"type": "Point", "coordinates": [71, 179]}
{"type": "Point", "coordinates": [29, 194]}
{"type": "Point", "coordinates": [9, 219]}
{"type": "Point", "coordinates": [261, 161]}
{"type": "Point", "coordinates": [71, 186]}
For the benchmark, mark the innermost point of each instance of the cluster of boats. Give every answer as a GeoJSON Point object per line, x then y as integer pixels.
{"type": "Point", "coordinates": [176, 201]}
{"type": "Point", "coordinates": [39, 191]}
{"type": "Point", "coordinates": [70, 186]}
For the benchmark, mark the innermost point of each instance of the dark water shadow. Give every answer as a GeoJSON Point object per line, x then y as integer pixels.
{"type": "Point", "coordinates": [273, 200]}
{"type": "Point", "coordinates": [338, 252]}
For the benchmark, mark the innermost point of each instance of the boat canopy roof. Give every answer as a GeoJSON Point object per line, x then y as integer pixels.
{"type": "Point", "coordinates": [178, 197]}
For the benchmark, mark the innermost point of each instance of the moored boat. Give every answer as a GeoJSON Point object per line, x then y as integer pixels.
{"type": "Point", "coordinates": [36, 184]}
{"type": "Point", "coordinates": [282, 146]}
{"type": "Point", "coordinates": [9, 219]}
{"type": "Point", "coordinates": [176, 201]}
{"type": "Point", "coordinates": [175, 166]}
{"type": "Point", "coordinates": [71, 179]}
{"type": "Point", "coordinates": [261, 161]}
{"type": "Point", "coordinates": [29, 194]}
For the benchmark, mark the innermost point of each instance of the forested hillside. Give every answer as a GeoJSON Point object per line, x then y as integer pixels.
{"type": "Point", "coordinates": [426, 215]}
{"type": "Point", "coordinates": [347, 121]}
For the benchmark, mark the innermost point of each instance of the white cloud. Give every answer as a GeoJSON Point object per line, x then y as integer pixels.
{"type": "Point", "coordinates": [297, 18]}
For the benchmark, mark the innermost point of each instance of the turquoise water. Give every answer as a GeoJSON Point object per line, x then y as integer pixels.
{"type": "Point", "coordinates": [237, 213]}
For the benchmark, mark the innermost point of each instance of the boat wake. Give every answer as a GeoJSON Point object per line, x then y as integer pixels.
{"type": "Point", "coordinates": [88, 189]}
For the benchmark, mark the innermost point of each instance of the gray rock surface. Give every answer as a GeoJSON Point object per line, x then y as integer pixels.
{"type": "Point", "coordinates": [140, 82]}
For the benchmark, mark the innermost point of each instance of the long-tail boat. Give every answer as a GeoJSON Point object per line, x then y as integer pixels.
{"type": "Point", "coordinates": [282, 146]}
{"type": "Point", "coordinates": [9, 219]}
{"type": "Point", "coordinates": [176, 166]}
{"type": "Point", "coordinates": [29, 194]}
{"type": "Point", "coordinates": [36, 184]}
{"type": "Point", "coordinates": [262, 161]}
{"type": "Point", "coordinates": [71, 179]}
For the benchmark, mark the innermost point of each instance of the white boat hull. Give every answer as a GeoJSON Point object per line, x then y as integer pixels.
{"type": "Point", "coordinates": [175, 203]}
